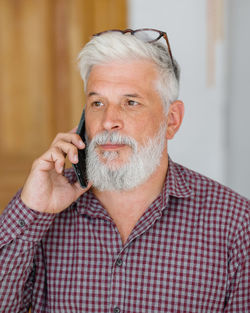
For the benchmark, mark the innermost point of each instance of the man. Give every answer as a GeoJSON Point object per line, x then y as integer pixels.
{"type": "Point", "coordinates": [147, 234]}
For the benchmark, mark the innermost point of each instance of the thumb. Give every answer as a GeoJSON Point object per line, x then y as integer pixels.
{"type": "Point", "coordinates": [79, 190]}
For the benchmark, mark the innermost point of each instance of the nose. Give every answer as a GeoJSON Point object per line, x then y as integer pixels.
{"type": "Point", "coordinates": [112, 119]}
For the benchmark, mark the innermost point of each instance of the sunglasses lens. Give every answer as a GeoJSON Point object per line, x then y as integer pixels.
{"type": "Point", "coordinates": [147, 35]}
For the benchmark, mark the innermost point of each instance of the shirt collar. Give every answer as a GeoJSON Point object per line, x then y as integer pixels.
{"type": "Point", "coordinates": [176, 184]}
{"type": "Point", "coordinates": [89, 205]}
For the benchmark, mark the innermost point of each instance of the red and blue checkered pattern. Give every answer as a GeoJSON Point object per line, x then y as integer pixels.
{"type": "Point", "coordinates": [189, 252]}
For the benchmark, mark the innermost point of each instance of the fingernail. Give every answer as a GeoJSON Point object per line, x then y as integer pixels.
{"type": "Point", "coordinates": [76, 158]}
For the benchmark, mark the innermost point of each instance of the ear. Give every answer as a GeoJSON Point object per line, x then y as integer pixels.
{"type": "Point", "coordinates": [174, 118]}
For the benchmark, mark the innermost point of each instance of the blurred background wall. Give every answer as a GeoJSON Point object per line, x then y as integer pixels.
{"type": "Point", "coordinates": [210, 39]}
{"type": "Point", "coordinates": [41, 91]}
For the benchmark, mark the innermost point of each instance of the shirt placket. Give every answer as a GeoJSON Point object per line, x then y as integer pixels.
{"type": "Point", "coordinates": [119, 286]}
{"type": "Point", "coordinates": [118, 282]}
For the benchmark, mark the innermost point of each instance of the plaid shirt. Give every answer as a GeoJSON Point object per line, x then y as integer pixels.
{"type": "Point", "coordinates": [189, 252]}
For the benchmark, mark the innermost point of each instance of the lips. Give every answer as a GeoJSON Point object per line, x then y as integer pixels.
{"type": "Point", "coordinates": [111, 146]}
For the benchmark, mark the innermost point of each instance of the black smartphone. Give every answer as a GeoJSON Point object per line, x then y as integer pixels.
{"type": "Point", "coordinates": [80, 167]}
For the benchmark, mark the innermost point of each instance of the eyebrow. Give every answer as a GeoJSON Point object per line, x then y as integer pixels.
{"type": "Point", "coordinates": [133, 95]}
{"type": "Point", "coordinates": [92, 93]}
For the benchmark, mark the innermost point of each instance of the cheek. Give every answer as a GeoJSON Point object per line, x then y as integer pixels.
{"type": "Point", "coordinates": [88, 133]}
{"type": "Point", "coordinates": [91, 128]}
{"type": "Point", "coordinates": [142, 134]}
{"type": "Point", "coordinates": [150, 130]}
{"type": "Point", "coordinates": [149, 126]}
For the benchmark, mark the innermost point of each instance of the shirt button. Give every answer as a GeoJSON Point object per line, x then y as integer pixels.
{"type": "Point", "coordinates": [21, 223]}
{"type": "Point", "coordinates": [117, 309]}
{"type": "Point", "coordinates": [119, 262]}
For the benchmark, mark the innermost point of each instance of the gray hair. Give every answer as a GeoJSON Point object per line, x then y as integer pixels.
{"type": "Point", "coordinates": [115, 46]}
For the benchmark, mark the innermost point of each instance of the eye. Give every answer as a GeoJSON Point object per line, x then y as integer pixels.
{"type": "Point", "coordinates": [97, 104]}
{"type": "Point", "coordinates": [132, 103]}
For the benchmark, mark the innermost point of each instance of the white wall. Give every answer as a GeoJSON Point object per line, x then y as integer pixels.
{"type": "Point", "coordinates": [202, 142]}
{"type": "Point", "coordinates": [238, 98]}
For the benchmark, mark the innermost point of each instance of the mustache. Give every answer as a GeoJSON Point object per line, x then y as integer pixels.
{"type": "Point", "coordinates": [113, 137]}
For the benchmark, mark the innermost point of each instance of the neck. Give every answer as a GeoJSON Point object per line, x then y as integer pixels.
{"type": "Point", "coordinates": [126, 207]}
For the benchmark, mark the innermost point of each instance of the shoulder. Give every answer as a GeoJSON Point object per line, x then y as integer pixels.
{"type": "Point", "coordinates": [204, 186]}
{"type": "Point", "coordinates": [215, 198]}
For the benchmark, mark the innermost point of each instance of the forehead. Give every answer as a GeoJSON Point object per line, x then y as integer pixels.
{"type": "Point", "coordinates": [140, 74]}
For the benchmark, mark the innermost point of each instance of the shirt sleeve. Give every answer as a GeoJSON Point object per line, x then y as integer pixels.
{"type": "Point", "coordinates": [238, 299]}
{"type": "Point", "coordinates": [21, 229]}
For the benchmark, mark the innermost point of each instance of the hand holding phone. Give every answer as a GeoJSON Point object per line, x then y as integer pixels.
{"type": "Point", "coordinates": [47, 189]}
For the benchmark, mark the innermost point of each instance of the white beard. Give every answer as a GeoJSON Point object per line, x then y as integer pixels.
{"type": "Point", "coordinates": [139, 167]}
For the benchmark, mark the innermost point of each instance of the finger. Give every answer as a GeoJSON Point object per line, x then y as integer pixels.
{"type": "Point", "coordinates": [79, 190]}
{"type": "Point", "coordinates": [56, 156]}
{"type": "Point", "coordinates": [73, 130]}
{"type": "Point", "coordinates": [71, 138]}
{"type": "Point", "coordinates": [68, 149]}
{"type": "Point", "coordinates": [51, 159]}
{"type": "Point", "coordinates": [75, 139]}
